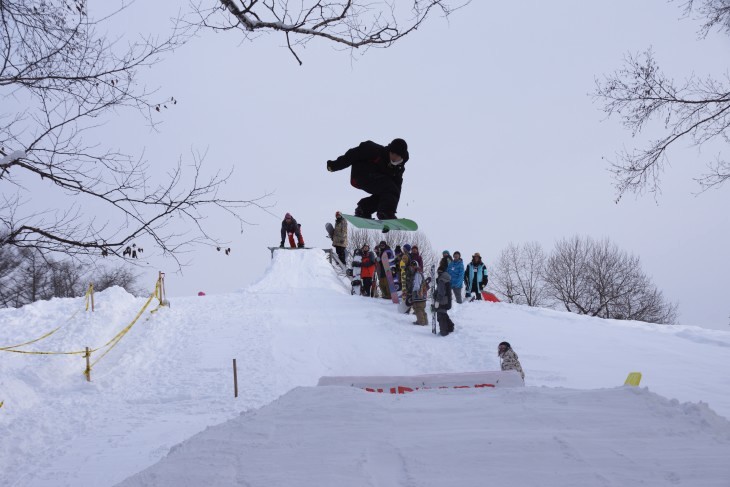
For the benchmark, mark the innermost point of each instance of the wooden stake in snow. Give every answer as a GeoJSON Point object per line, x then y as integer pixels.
{"type": "Point", "coordinates": [87, 372]}
{"type": "Point", "coordinates": [235, 379]}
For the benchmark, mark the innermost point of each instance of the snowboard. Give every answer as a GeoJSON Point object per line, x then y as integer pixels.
{"type": "Point", "coordinates": [356, 269]}
{"type": "Point", "coordinates": [384, 226]}
{"type": "Point", "coordinates": [330, 230]}
{"type": "Point", "coordinates": [389, 277]}
{"type": "Point", "coordinates": [434, 314]}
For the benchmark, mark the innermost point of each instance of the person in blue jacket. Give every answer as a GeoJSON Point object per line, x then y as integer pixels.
{"type": "Point", "coordinates": [475, 276]}
{"type": "Point", "coordinates": [456, 271]}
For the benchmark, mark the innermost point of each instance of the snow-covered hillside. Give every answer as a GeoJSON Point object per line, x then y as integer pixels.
{"type": "Point", "coordinates": [171, 377]}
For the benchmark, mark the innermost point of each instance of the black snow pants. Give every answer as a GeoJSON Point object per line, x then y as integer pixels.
{"type": "Point", "coordinates": [383, 199]}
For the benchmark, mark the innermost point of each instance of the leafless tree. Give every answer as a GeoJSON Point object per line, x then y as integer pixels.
{"type": "Point", "coordinates": [348, 23]}
{"type": "Point", "coordinates": [518, 275]}
{"type": "Point", "coordinates": [696, 110]}
{"type": "Point", "coordinates": [28, 275]}
{"type": "Point", "coordinates": [596, 278]}
{"type": "Point", "coordinates": [65, 79]}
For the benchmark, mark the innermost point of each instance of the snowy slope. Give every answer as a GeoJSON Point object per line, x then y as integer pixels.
{"type": "Point", "coordinates": [170, 378]}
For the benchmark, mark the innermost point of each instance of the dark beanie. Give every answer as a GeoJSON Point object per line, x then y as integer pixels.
{"type": "Point", "coordinates": [399, 147]}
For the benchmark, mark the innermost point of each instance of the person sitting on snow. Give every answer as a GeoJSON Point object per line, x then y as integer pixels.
{"type": "Point", "coordinates": [290, 226]}
{"type": "Point", "coordinates": [509, 358]}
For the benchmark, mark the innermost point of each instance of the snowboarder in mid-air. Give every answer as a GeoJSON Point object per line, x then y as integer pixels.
{"type": "Point", "coordinates": [290, 226]}
{"type": "Point", "coordinates": [377, 170]}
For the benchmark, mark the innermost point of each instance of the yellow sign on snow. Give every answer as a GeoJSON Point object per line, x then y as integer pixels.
{"type": "Point", "coordinates": [633, 379]}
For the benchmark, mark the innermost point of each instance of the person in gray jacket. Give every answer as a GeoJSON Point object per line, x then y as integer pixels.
{"type": "Point", "coordinates": [339, 237]}
{"type": "Point", "coordinates": [442, 299]}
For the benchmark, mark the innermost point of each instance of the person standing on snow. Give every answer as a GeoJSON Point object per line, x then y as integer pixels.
{"type": "Point", "coordinates": [509, 358]}
{"type": "Point", "coordinates": [377, 170]}
{"type": "Point", "coordinates": [419, 295]}
{"type": "Point", "coordinates": [456, 271]}
{"type": "Point", "coordinates": [442, 299]}
{"type": "Point", "coordinates": [475, 276]}
{"type": "Point", "coordinates": [384, 265]}
{"type": "Point", "coordinates": [416, 255]}
{"type": "Point", "coordinates": [290, 226]}
{"type": "Point", "coordinates": [367, 270]}
{"type": "Point", "coordinates": [339, 237]}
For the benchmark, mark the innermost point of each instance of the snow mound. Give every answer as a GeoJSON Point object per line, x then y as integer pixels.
{"type": "Point", "coordinates": [171, 378]}
{"type": "Point", "coordinates": [298, 269]}
{"type": "Point", "coordinates": [335, 436]}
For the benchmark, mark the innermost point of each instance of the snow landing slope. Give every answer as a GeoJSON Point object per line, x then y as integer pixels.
{"type": "Point", "coordinates": [170, 378]}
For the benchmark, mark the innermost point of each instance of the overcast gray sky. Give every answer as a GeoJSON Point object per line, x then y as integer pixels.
{"type": "Point", "coordinates": [506, 144]}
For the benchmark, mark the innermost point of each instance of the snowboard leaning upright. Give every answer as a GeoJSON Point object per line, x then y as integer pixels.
{"type": "Point", "coordinates": [384, 226]}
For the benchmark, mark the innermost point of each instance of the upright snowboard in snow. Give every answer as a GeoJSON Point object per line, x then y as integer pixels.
{"type": "Point", "coordinates": [356, 269]}
{"type": "Point", "coordinates": [389, 276]}
{"type": "Point", "coordinates": [382, 225]}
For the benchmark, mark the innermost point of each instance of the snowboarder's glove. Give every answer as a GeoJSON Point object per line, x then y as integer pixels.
{"type": "Point", "coordinates": [281, 245]}
{"type": "Point", "coordinates": [329, 166]}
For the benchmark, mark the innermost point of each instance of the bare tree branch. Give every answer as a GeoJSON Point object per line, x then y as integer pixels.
{"type": "Point", "coordinates": [349, 23]}
{"type": "Point", "coordinates": [696, 110]}
{"type": "Point", "coordinates": [66, 80]}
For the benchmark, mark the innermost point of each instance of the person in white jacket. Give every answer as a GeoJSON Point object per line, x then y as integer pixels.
{"type": "Point", "coordinates": [509, 358]}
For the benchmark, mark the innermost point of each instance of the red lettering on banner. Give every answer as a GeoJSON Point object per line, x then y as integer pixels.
{"type": "Point", "coordinates": [404, 389]}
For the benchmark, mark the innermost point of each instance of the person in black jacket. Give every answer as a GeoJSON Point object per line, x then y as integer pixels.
{"type": "Point", "coordinates": [377, 170]}
{"type": "Point", "coordinates": [442, 299]}
{"type": "Point", "coordinates": [290, 226]}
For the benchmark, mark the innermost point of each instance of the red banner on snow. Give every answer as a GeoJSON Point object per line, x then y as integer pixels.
{"type": "Point", "coordinates": [411, 383]}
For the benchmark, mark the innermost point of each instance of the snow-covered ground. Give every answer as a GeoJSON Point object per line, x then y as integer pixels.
{"type": "Point", "coordinates": [171, 378]}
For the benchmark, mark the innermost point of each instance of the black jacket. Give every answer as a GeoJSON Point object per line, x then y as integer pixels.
{"type": "Point", "coordinates": [368, 160]}
{"type": "Point", "coordinates": [291, 227]}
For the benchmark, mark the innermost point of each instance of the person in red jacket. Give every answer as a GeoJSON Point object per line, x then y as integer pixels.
{"type": "Point", "coordinates": [367, 270]}
{"type": "Point", "coordinates": [377, 170]}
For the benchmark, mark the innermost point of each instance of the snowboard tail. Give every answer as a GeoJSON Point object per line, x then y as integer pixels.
{"type": "Point", "coordinates": [402, 224]}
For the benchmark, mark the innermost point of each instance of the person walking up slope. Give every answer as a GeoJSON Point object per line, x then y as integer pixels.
{"type": "Point", "coordinates": [442, 300]}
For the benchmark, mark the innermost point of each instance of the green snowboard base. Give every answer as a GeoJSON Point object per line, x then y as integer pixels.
{"type": "Point", "coordinates": [384, 226]}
